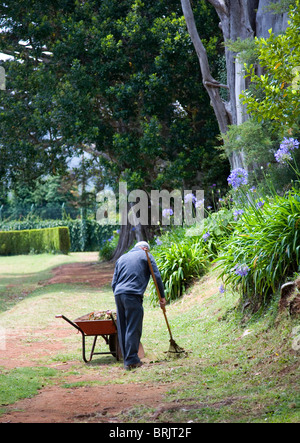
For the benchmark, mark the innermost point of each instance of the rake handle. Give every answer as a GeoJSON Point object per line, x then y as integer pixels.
{"type": "Point", "coordinates": [158, 292]}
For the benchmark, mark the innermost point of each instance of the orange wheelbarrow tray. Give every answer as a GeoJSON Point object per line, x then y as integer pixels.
{"type": "Point", "coordinates": [107, 329]}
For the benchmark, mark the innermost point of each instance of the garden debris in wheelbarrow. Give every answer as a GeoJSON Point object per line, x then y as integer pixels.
{"type": "Point", "coordinates": [102, 315]}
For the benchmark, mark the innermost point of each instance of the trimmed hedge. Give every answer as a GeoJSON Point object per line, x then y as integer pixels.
{"type": "Point", "coordinates": [35, 240]}
{"type": "Point", "coordinates": [85, 235]}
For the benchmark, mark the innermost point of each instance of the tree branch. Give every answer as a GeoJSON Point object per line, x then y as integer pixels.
{"type": "Point", "coordinates": [220, 6]}
{"type": "Point", "coordinates": [199, 47]}
{"type": "Point", "coordinates": [43, 58]}
{"type": "Point", "coordinates": [215, 85]}
{"type": "Point", "coordinates": [211, 85]}
{"type": "Point", "coordinates": [91, 149]}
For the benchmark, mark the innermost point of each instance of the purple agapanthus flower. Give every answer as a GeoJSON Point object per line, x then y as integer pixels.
{"type": "Point", "coordinates": [283, 154]}
{"type": "Point", "coordinates": [242, 270]}
{"type": "Point", "coordinates": [222, 289]}
{"type": "Point", "coordinates": [237, 213]}
{"type": "Point", "coordinates": [167, 212]}
{"type": "Point", "coordinates": [190, 197]}
{"type": "Point", "coordinates": [158, 241]}
{"type": "Point", "coordinates": [206, 236]}
{"type": "Point", "coordinates": [199, 204]}
{"type": "Point", "coordinates": [260, 204]}
{"type": "Point", "coordinates": [290, 143]}
{"type": "Point", "coordinates": [238, 177]}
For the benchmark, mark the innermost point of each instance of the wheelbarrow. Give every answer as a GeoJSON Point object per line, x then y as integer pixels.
{"type": "Point", "coordinates": [107, 329]}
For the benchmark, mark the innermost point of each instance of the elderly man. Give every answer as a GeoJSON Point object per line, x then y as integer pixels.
{"type": "Point", "coordinates": [129, 283]}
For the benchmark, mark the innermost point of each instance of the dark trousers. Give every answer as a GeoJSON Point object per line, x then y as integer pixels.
{"type": "Point", "coordinates": [130, 315]}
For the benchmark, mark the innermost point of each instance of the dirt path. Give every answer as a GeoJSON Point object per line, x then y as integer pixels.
{"type": "Point", "coordinates": [95, 274]}
{"type": "Point", "coordinates": [83, 404]}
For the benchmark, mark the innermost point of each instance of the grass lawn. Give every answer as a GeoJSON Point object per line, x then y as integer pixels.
{"type": "Point", "coordinates": [235, 371]}
{"type": "Point", "coordinates": [20, 275]}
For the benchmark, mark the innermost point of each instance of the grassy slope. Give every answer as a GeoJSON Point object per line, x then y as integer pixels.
{"type": "Point", "coordinates": [235, 372]}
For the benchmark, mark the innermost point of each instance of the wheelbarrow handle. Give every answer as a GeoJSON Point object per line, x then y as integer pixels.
{"type": "Point", "coordinates": [69, 321]}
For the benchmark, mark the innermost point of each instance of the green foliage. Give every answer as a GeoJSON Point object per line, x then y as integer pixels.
{"type": "Point", "coordinates": [219, 225]}
{"type": "Point", "coordinates": [109, 86]}
{"type": "Point", "coordinates": [266, 242]}
{"type": "Point", "coordinates": [276, 93]}
{"type": "Point", "coordinates": [108, 248]}
{"type": "Point", "coordinates": [89, 237]}
{"type": "Point", "coordinates": [35, 240]}
{"type": "Point", "coordinates": [252, 138]}
{"type": "Point", "coordinates": [246, 49]}
{"type": "Point", "coordinates": [179, 263]}
{"type": "Point", "coordinates": [281, 6]}
{"type": "Point", "coordinates": [183, 253]}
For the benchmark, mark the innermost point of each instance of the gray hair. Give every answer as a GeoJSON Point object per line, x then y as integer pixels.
{"type": "Point", "coordinates": [142, 244]}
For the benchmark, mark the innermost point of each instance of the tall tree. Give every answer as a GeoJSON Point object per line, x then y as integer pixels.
{"type": "Point", "coordinates": [238, 20]}
{"type": "Point", "coordinates": [103, 76]}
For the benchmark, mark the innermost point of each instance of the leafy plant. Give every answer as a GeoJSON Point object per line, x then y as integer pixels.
{"type": "Point", "coordinates": [264, 248]}
{"type": "Point", "coordinates": [280, 56]}
{"type": "Point", "coordinates": [250, 137]}
{"type": "Point", "coordinates": [179, 263]}
{"type": "Point", "coordinates": [219, 225]}
{"type": "Point", "coordinates": [108, 248]}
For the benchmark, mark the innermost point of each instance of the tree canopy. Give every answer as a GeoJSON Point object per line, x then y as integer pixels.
{"type": "Point", "coordinates": [116, 79]}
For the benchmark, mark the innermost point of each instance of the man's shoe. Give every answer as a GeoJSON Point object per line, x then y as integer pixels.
{"type": "Point", "coordinates": [134, 366]}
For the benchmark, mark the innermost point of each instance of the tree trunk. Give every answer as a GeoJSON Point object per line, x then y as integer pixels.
{"type": "Point", "coordinates": [268, 20]}
{"type": "Point", "coordinates": [128, 235]}
{"type": "Point", "coordinates": [238, 19]}
{"type": "Point", "coordinates": [126, 240]}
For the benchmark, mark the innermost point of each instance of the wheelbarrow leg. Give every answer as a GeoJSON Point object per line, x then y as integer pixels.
{"type": "Point", "coordinates": [92, 350]}
{"type": "Point", "coordinates": [83, 348]}
{"type": "Point", "coordinates": [93, 347]}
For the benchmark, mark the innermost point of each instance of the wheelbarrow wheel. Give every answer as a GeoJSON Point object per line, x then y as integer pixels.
{"type": "Point", "coordinates": [114, 346]}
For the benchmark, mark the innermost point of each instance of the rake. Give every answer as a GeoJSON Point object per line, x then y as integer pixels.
{"type": "Point", "coordinates": [174, 349]}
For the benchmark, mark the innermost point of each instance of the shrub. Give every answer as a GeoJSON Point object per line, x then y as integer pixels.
{"type": "Point", "coordinates": [109, 247]}
{"type": "Point", "coordinates": [84, 236]}
{"type": "Point", "coordinates": [35, 240]}
{"type": "Point", "coordinates": [218, 226]}
{"type": "Point", "coordinates": [179, 263]}
{"type": "Point", "coordinates": [264, 249]}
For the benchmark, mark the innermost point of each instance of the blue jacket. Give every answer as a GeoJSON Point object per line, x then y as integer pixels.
{"type": "Point", "coordinates": [132, 273]}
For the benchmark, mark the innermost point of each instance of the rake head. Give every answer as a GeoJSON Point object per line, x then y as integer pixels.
{"type": "Point", "coordinates": [176, 351]}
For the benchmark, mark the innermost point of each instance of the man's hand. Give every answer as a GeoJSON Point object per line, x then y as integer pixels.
{"type": "Point", "coordinates": [163, 303]}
